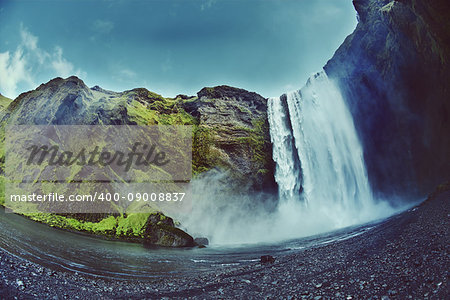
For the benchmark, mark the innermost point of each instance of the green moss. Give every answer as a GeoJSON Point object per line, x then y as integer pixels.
{"type": "Point", "coordinates": [166, 240]}
{"type": "Point", "coordinates": [202, 159]}
{"type": "Point", "coordinates": [160, 111]}
{"type": "Point", "coordinates": [257, 142]}
{"type": "Point", "coordinates": [132, 224]}
{"type": "Point", "coordinates": [244, 110]}
{"type": "Point", "coordinates": [104, 227]}
{"type": "Point", "coordinates": [263, 172]}
{"type": "Point", "coordinates": [4, 102]}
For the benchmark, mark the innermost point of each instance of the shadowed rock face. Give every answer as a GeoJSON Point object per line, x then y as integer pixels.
{"type": "Point", "coordinates": [394, 71]}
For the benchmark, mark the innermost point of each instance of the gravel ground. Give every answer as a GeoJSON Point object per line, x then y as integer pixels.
{"type": "Point", "coordinates": [404, 257]}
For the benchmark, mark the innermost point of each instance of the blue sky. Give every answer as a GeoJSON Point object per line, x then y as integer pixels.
{"type": "Point", "coordinates": [172, 46]}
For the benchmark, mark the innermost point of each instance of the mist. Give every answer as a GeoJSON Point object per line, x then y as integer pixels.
{"type": "Point", "coordinates": [227, 218]}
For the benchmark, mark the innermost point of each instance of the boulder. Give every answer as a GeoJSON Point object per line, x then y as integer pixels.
{"type": "Point", "coordinates": [159, 230]}
{"type": "Point", "coordinates": [201, 241]}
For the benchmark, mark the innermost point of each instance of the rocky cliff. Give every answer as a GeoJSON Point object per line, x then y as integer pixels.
{"type": "Point", "coordinates": [394, 71]}
{"type": "Point", "coordinates": [230, 133]}
{"type": "Point", "coordinates": [233, 134]}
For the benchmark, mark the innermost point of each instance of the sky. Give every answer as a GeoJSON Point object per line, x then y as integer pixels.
{"type": "Point", "coordinates": [170, 46]}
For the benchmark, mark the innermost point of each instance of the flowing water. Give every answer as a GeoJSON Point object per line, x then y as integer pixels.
{"type": "Point", "coordinates": [319, 159]}
{"type": "Point", "coordinates": [62, 250]}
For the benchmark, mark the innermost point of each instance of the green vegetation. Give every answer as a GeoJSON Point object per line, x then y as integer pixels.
{"type": "Point", "coordinates": [4, 102]}
{"type": "Point", "coordinates": [159, 111]}
{"type": "Point", "coordinates": [258, 144]}
{"type": "Point", "coordinates": [124, 226]}
{"type": "Point", "coordinates": [132, 225]}
{"type": "Point", "coordinates": [202, 158]}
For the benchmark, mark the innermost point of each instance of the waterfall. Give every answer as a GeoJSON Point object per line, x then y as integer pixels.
{"type": "Point", "coordinates": [288, 170]}
{"type": "Point", "coordinates": [317, 152]}
{"type": "Point", "coordinates": [320, 172]}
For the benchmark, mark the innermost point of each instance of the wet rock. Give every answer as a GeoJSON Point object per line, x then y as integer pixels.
{"type": "Point", "coordinates": [201, 241]}
{"type": "Point", "coordinates": [267, 259]}
{"type": "Point", "coordinates": [159, 230]}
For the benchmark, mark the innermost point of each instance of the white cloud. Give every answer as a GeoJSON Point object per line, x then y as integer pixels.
{"type": "Point", "coordinates": [128, 73]}
{"type": "Point", "coordinates": [28, 40]}
{"type": "Point", "coordinates": [207, 4]}
{"type": "Point", "coordinates": [123, 74]}
{"type": "Point", "coordinates": [103, 26]}
{"type": "Point", "coordinates": [22, 66]}
{"type": "Point", "coordinates": [61, 66]}
{"type": "Point", "coordinates": [13, 69]}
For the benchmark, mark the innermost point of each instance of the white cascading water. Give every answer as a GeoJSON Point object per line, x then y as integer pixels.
{"type": "Point", "coordinates": [285, 154]}
{"type": "Point", "coordinates": [333, 175]}
{"type": "Point", "coordinates": [320, 174]}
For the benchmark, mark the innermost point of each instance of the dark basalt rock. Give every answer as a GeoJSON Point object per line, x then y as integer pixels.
{"type": "Point", "coordinates": [201, 241]}
{"type": "Point", "coordinates": [225, 91]}
{"type": "Point", "coordinates": [361, 7]}
{"type": "Point", "coordinates": [160, 231]}
{"type": "Point", "coordinates": [267, 259]}
{"type": "Point", "coordinates": [394, 72]}
{"type": "Point", "coordinates": [183, 96]}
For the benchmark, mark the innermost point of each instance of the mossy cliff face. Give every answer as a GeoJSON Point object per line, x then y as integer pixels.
{"type": "Point", "coordinates": [233, 134]}
{"type": "Point", "coordinates": [394, 71]}
{"type": "Point", "coordinates": [230, 132]}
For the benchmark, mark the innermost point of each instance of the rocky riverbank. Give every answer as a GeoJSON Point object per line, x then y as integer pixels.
{"type": "Point", "coordinates": [406, 256]}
